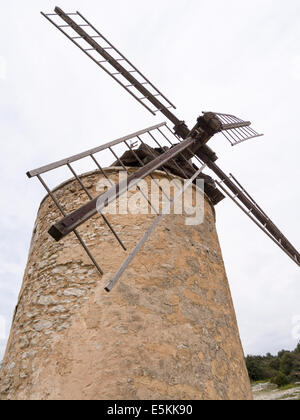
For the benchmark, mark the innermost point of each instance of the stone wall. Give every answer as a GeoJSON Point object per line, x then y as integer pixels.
{"type": "Point", "coordinates": [167, 331]}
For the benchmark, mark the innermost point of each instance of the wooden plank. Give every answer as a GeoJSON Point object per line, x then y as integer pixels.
{"type": "Point", "coordinates": [90, 152]}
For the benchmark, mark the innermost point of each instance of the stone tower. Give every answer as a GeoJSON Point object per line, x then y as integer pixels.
{"type": "Point", "coordinates": [167, 331]}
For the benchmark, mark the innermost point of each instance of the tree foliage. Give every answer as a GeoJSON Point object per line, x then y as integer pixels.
{"type": "Point", "coordinates": [280, 379]}
{"type": "Point", "coordinates": [281, 369]}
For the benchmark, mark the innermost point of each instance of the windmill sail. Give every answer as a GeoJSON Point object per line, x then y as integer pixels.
{"type": "Point", "coordinates": [137, 146]}
{"type": "Point", "coordinates": [234, 190]}
{"type": "Point", "coordinates": [234, 129]}
{"type": "Point", "coordinates": [89, 40]}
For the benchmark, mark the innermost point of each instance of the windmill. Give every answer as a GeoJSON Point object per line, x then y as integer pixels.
{"type": "Point", "coordinates": [182, 148]}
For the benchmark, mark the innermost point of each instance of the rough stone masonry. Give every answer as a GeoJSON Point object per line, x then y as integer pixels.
{"type": "Point", "coordinates": [167, 331]}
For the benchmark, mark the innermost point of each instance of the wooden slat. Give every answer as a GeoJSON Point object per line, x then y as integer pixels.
{"type": "Point", "coordinates": [90, 152]}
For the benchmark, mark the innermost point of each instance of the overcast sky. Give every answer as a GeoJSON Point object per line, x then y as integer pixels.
{"type": "Point", "coordinates": [240, 57]}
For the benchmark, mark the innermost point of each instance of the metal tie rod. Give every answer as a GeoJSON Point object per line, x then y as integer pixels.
{"type": "Point", "coordinates": [55, 14]}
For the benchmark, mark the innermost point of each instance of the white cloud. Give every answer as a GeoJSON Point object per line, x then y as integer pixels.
{"type": "Point", "coordinates": [2, 327]}
{"type": "Point", "coordinates": [11, 268]}
{"type": "Point", "coordinates": [295, 67]}
{"type": "Point", "coordinates": [3, 68]}
{"type": "Point", "coordinates": [296, 327]}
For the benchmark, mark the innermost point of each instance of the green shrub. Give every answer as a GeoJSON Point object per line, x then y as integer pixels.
{"type": "Point", "coordinates": [280, 379]}
{"type": "Point", "coordinates": [255, 370]}
{"type": "Point", "coordinates": [286, 363]}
